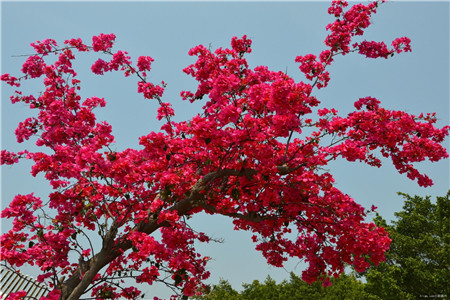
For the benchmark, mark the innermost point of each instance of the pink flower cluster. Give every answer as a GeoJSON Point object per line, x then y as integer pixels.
{"type": "Point", "coordinates": [149, 90]}
{"type": "Point", "coordinates": [242, 45]}
{"type": "Point", "coordinates": [44, 46]}
{"type": "Point", "coordinates": [11, 80]}
{"type": "Point", "coordinates": [103, 42]}
{"type": "Point", "coordinates": [33, 66]}
{"type": "Point", "coordinates": [100, 66]}
{"type": "Point", "coordinates": [165, 110]}
{"type": "Point", "coordinates": [402, 44]}
{"type": "Point", "coordinates": [379, 49]}
{"type": "Point", "coordinates": [314, 69]}
{"type": "Point", "coordinates": [336, 7]}
{"type": "Point", "coordinates": [374, 49]}
{"type": "Point", "coordinates": [119, 60]}
{"type": "Point", "coordinates": [144, 63]}
{"type": "Point", "coordinates": [78, 44]}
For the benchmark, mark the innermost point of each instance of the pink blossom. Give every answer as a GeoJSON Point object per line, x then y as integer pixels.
{"type": "Point", "coordinates": [242, 45]}
{"type": "Point", "coordinates": [33, 66]}
{"type": "Point", "coordinates": [156, 204]}
{"type": "Point", "coordinates": [94, 102]}
{"type": "Point", "coordinates": [149, 90]}
{"type": "Point", "coordinates": [103, 42]}
{"type": "Point", "coordinates": [402, 44]}
{"type": "Point", "coordinates": [168, 216]}
{"type": "Point", "coordinates": [100, 66]}
{"type": "Point", "coordinates": [374, 49]}
{"type": "Point", "coordinates": [78, 44]}
{"type": "Point", "coordinates": [165, 110]}
{"type": "Point", "coordinates": [9, 158]}
{"type": "Point", "coordinates": [144, 63]}
{"type": "Point", "coordinates": [17, 295]}
{"type": "Point", "coordinates": [11, 80]}
{"type": "Point", "coordinates": [369, 102]}
{"type": "Point", "coordinates": [119, 59]}
{"type": "Point", "coordinates": [26, 129]}
{"type": "Point", "coordinates": [45, 46]}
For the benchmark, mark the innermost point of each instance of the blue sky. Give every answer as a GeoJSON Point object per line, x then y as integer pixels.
{"type": "Point", "coordinates": [415, 82]}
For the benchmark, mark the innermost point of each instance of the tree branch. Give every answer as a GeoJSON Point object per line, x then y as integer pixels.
{"type": "Point", "coordinates": [76, 285]}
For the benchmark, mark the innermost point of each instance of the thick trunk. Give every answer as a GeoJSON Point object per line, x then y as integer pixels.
{"type": "Point", "coordinates": [76, 285]}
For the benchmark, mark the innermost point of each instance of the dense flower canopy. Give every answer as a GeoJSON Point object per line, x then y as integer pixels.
{"type": "Point", "coordinates": [257, 153]}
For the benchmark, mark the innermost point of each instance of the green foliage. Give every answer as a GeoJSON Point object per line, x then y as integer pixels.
{"type": "Point", "coordinates": [222, 291]}
{"type": "Point", "coordinates": [418, 263]}
{"type": "Point", "coordinates": [344, 287]}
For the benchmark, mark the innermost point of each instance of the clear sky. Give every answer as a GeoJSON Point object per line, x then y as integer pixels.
{"type": "Point", "coordinates": [416, 82]}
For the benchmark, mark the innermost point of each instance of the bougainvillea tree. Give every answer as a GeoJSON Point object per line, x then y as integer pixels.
{"type": "Point", "coordinates": [257, 153]}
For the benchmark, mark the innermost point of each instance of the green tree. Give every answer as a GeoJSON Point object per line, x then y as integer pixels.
{"type": "Point", "coordinates": [344, 287]}
{"type": "Point", "coordinates": [418, 263]}
{"type": "Point", "coordinates": [223, 290]}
